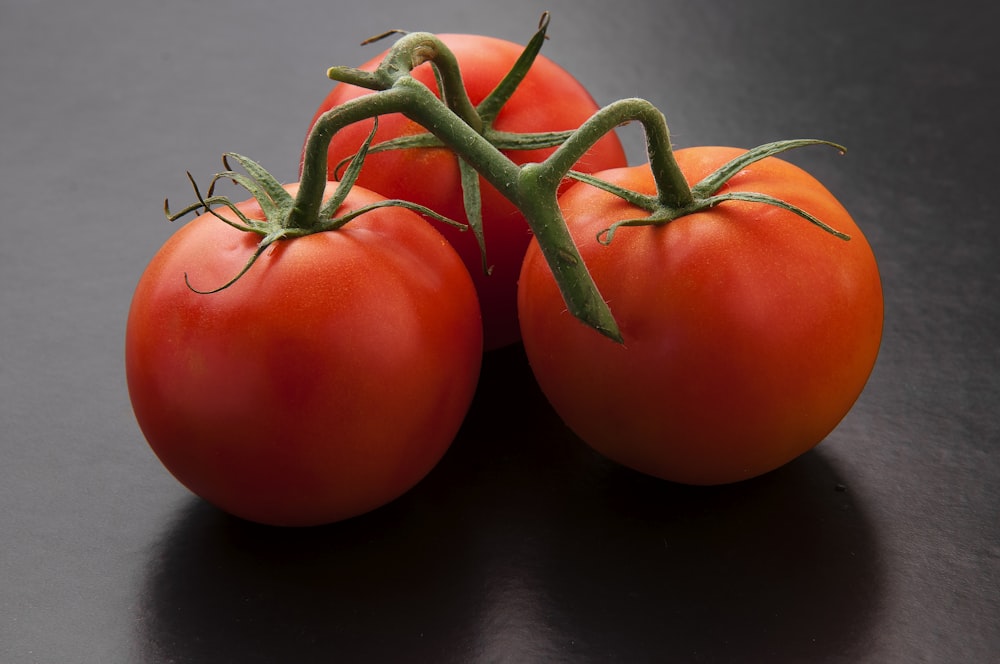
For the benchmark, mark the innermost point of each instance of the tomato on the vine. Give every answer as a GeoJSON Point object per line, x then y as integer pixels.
{"type": "Point", "coordinates": [748, 332]}
{"type": "Point", "coordinates": [324, 382]}
{"type": "Point", "coordinates": [548, 99]}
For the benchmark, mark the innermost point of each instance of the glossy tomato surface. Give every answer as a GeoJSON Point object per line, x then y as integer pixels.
{"type": "Point", "coordinates": [328, 380]}
{"type": "Point", "coordinates": [549, 99]}
{"type": "Point", "coordinates": [748, 332]}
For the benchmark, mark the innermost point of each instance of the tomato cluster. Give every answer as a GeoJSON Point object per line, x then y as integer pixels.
{"type": "Point", "coordinates": [333, 374]}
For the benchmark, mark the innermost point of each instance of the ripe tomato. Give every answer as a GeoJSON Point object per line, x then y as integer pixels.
{"type": "Point", "coordinates": [325, 382]}
{"type": "Point", "coordinates": [748, 332]}
{"type": "Point", "coordinates": [548, 99]}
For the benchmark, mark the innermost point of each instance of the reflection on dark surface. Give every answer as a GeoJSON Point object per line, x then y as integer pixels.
{"type": "Point", "coordinates": [227, 591]}
{"type": "Point", "coordinates": [779, 569]}
{"type": "Point", "coordinates": [525, 546]}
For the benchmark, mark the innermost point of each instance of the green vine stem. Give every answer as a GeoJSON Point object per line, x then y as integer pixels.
{"type": "Point", "coordinates": [418, 48]}
{"type": "Point", "coordinates": [533, 187]}
{"type": "Point", "coordinates": [672, 187]}
{"type": "Point", "coordinates": [397, 91]}
{"type": "Point", "coordinates": [410, 52]}
{"type": "Point", "coordinates": [312, 183]}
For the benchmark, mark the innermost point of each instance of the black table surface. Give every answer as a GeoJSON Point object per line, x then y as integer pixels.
{"type": "Point", "coordinates": [881, 545]}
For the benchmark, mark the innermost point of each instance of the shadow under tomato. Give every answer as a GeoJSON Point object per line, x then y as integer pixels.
{"type": "Point", "coordinates": [401, 583]}
{"type": "Point", "coordinates": [781, 568]}
{"type": "Point", "coordinates": [594, 562]}
{"type": "Point", "coordinates": [525, 546]}
{"type": "Point", "coordinates": [224, 590]}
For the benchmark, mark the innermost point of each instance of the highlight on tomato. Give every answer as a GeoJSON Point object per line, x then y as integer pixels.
{"type": "Point", "coordinates": [309, 376]}
{"type": "Point", "coordinates": [548, 99]}
{"type": "Point", "coordinates": [748, 333]}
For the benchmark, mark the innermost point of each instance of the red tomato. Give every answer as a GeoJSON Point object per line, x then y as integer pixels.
{"type": "Point", "coordinates": [549, 99]}
{"type": "Point", "coordinates": [325, 382]}
{"type": "Point", "coordinates": [748, 332]}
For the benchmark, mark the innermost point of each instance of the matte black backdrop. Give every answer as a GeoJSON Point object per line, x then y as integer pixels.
{"type": "Point", "coordinates": [522, 546]}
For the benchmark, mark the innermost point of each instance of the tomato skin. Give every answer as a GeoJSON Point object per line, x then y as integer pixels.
{"type": "Point", "coordinates": [327, 381]}
{"type": "Point", "coordinates": [549, 99]}
{"type": "Point", "coordinates": [748, 332]}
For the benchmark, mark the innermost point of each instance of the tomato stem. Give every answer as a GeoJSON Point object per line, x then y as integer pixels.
{"type": "Point", "coordinates": [532, 190]}
{"type": "Point", "coordinates": [408, 53]}
{"type": "Point", "coordinates": [672, 187]}
{"type": "Point", "coordinates": [312, 185]}
{"type": "Point", "coordinates": [467, 131]}
{"type": "Point", "coordinates": [533, 187]}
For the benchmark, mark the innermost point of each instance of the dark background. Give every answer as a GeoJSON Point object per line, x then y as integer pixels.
{"type": "Point", "coordinates": [882, 545]}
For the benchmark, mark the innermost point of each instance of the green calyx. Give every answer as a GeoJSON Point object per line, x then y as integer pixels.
{"type": "Point", "coordinates": [663, 209]}
{"type": "Point", "coordinates": [285, 217]}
